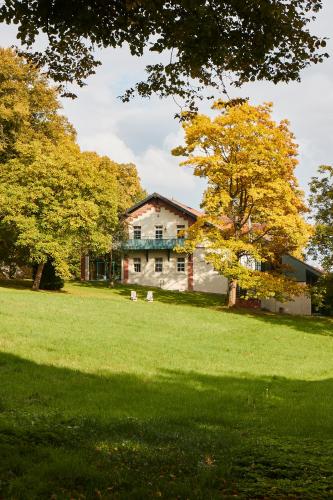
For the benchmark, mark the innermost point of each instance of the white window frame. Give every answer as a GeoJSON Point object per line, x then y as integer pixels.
{"type": "Point", "coordinates": [137, 232]}
{"type": "Point", "coordinates": [137, 264]}
{"type": "Point", "coordinates": [158, 264]}
{"type": "Point", "coordinates": [180, 264]}
{"type": "Point", "coordinates": [159, 232]}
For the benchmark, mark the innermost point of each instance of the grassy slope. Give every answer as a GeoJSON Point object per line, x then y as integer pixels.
{"type": "Point", "coordinates": [100, 396]}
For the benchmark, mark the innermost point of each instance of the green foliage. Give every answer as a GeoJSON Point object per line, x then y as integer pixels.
{"type": "Point", "coordinates": [191, 400]}
{"type": "Point", "coordinates": [322, 294]}
{"type": "Point", "coordinates": [202, 40]}
{"type": "Point", "coordinates": [321, 201]}
{"type": "Point", "coordinates": [129, 188]}
{"type": "Point", "coordinates": [57, 202]}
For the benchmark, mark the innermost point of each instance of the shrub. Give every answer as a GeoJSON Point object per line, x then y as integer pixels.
{"type": "Point", "coordinates": [49, 280]}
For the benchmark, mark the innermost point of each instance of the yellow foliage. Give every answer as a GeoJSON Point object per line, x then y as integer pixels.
{"type": "Point", "coordinates": [253, 204]}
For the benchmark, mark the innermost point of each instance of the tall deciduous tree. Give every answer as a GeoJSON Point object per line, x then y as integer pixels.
{"type": "Point", "coordinates": [57, 204]}
{"type": "Point", "coordinates": [253, 205]}
{"type": "Point", "coordinates": [196, 40]}
{"type": "Point", "coordinates": [321, 201]}
{"type": "Point", "coordinates": [55, 201]}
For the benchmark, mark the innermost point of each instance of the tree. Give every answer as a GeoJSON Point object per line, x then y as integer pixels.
{"type": "Point", "coordinates": [321, 202]}
{"type": "Point", "coordinates": [55, 201]}
{"type": "Point", "coordinates": [128, 181]}
{"type": "Point", "coordinates": [197, 40]}
{"type": "Point", "coordinates": [322, 294]}
{"type": "Point", "coordinates": [253, 205]}
{"type": "Point", "coordinates": [57, 204]}
{"type": "Point", "coordinates": [29, 106]}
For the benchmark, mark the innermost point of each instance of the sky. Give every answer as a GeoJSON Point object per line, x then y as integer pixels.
{"type": "Point", "coordinates": [144, 131]}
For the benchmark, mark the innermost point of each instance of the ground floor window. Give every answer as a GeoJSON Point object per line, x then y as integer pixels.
{"type": "Point", "coordinates": [181, 264]}
{"type": "Point", "coordinates": [158, 264]}
{"type": "Point", "coordinates": [137, 264]}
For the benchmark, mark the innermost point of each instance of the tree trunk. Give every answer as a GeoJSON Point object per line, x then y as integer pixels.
{"type": "Point", "coordinates": [111, 282]}
{"type": "Point", "coordinates": [38, 276]}
{"type": "Point", "coordinates": [232, 293]}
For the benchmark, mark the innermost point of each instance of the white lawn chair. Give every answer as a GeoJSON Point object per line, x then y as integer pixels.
{"type": "Point", "coordinates": [133, 295]}
{"type": "Point", "coordinates": [150, 297]}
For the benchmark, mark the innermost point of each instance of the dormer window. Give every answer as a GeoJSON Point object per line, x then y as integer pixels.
{"type": "Point", "coordinates": [158, 232]}
{"type": "Point", "coordinates": [137, 232]}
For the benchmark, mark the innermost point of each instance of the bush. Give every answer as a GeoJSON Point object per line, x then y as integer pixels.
{"type": "Point", "coordinates": [322, 294]}
{"type": "Point", "coordinates": [49, 280]}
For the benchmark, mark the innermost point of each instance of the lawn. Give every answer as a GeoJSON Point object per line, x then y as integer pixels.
{"type": "Point", "coordinates": [101, 397]}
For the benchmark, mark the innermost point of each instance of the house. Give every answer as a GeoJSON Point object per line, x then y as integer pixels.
{"type": "Point", "coordinates": [156, 225]}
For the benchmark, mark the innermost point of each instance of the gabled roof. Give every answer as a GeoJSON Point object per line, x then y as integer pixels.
{"type": "Point", "coordinates": [312, 269]}
{"type": "Point", "coordinates": [192, 212]}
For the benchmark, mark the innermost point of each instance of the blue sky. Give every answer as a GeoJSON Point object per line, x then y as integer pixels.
{"type": "Point", "coordinates": [144, 131]}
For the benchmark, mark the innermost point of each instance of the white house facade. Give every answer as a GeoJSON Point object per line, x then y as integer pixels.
{"type": "Point", "coordinates": [155, 227]}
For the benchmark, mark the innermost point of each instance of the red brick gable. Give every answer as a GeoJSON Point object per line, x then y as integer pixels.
{"type": "Point", "coordinates": [155, 204]}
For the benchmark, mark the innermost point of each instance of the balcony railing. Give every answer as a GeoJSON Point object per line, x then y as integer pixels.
{"type": "Point", "coordinates": [152, 244]}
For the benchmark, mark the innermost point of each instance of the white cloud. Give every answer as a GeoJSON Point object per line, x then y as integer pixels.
{"type": "Point", "coordinates": [108, 144]}
{"type": "Point", "coordinates": [161, 172]}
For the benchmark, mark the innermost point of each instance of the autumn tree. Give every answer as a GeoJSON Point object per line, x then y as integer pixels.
{"type": "Point", "coordinates": [55, 201]}
{"type": "Point", "coordinates": [321, 202]}
{"type": "Point", "coordinates": [197, 42]}
{"type": "Point", "coordinates": [126, 176]}
{"type": "Point", "coordinates": [253, 206]}
{"type": "Point", "coordinates": [57, 204]}
{"type": "Point", "coordinates": [29, 106]}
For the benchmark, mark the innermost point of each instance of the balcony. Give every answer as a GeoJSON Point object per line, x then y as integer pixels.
{"type": "Point", "coordinates": [152, 244]}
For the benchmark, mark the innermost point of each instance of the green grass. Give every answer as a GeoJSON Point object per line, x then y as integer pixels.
{"type": "Point", "coordinates": [101, 397]}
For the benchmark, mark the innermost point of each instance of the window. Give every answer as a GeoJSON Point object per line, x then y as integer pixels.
{"type": "Point", "coordinates": [137, 264]}
{"type": "Point", "coordinates": [158, 232]}
{"type": "Point", "coordinates": [180, 230]}
{"type": "Point", "coordinates": [181, 264]}
{"type": "Point", "coordinates": [158, 264]}
{"type": "Point", "coordinates": [137, 232]}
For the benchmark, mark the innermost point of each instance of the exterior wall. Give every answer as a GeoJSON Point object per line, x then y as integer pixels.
{"type": "Point", "coordinates": [155, 216]}
{"type": "Point", "coordinates": [169, 278]}
{"type": "Point", "coordinates": [205, 278]}
{"type": "Point", "coordinates": [85, 275]}
{"type": "Point", "coordinates": [198, 276]}
{"type": "Point", "coordinates": [301, 305]}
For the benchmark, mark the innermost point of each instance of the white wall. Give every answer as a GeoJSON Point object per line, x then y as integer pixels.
{"type": "Point", "coordinates": [151, 218]}
{"type": "Point", "coordinates": [300, 305]}
{"type": "Point", "coordinates": [205, 278]}
{"type": "Point", "coordinates": [169, 278]}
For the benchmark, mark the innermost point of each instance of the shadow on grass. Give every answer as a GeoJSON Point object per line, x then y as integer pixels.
{"type": "Point", "coordinates": [16, 284]}
{"type": "Point", "coordinates": [172, 435]}
{"type": "Point", "coordinates": [24, 285]}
